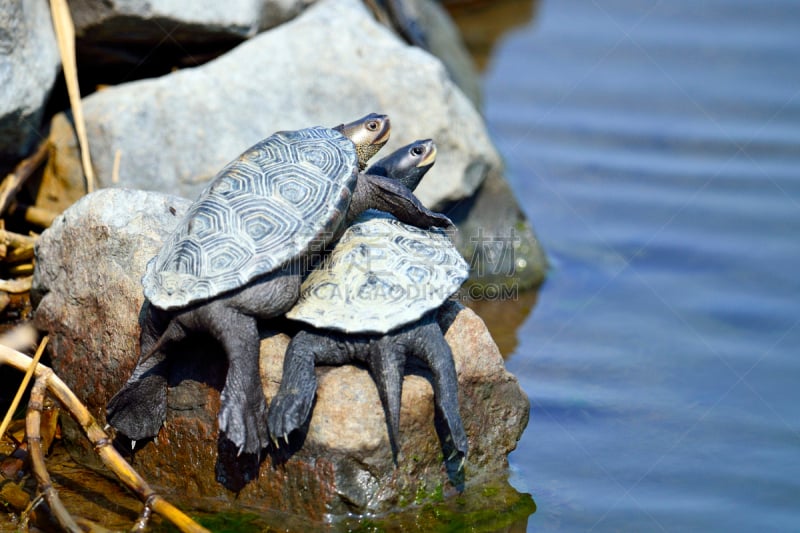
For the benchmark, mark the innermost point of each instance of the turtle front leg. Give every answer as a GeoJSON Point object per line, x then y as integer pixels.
{"type": "Point", "coordinates": [386, 194]}
{"type": "Point", "coordinates": [243, 412]}
{"type": "Point", "coordinates": [429, 346]}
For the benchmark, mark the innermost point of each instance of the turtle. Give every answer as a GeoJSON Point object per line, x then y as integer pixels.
{"type": "Point", "coordinates": [407, 165]}
{"type": "Point", "coordinates": [238, 256]}
{"type": "Point", "coordinates": [374, 301]}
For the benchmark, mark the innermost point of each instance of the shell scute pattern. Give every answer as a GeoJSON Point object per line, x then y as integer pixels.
{"type": "Point", "coordinates": [263, 209]}
{"type": "Point", "coordinates": [381, 275]}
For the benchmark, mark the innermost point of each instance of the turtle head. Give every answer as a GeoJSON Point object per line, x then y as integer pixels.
{"type": "Point", "coordinates": [368, 133]}
{"type": "Point", "coordinates": [408, 164]}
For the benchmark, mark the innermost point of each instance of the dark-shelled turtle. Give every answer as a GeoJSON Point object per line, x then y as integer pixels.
{"type": "Point", "coordinates": [239, 255]}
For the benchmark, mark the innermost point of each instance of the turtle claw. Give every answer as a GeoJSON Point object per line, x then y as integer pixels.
{"type": "Point", "coordinates": [286, 438]}
{"type": "Point", "coordinates": [139, 409]}
{"type": "Point", "coordinates": [243, 424]}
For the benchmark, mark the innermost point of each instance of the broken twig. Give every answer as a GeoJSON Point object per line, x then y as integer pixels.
{"type": "Point", "coordinates": [16, 286]}
{"type": "Point", "coordinates": [35, 452]}
{"type": "Point", "coordinates": [12, 183]}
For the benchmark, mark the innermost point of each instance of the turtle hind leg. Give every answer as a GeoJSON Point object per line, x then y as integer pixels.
{"type": "Point", "coordinates": [139, 409]}
{"type": "Point", "coordinates": [428, 344]}
{"type": "Point", "coordinates": [386, 366]}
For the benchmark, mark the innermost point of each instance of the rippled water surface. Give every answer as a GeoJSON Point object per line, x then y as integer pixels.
{"type": "Point", "coordinates": [655, 145]}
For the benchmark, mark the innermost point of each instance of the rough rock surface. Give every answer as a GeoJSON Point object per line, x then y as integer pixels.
{"type": "Point", "coordinates": [332, 64]}
{"type": "Point", "coordinates": [131, 39]}
{"type": "Point", "coordinates": [174, 133]}
{"type": "Point", "coordinates": [87, 287]}
{"type": "Point", "coordinates": [87, 284]}
{"type": "Point", "coordinates": [499, 243]}
{"type": "Point", "coordinates": [446, 43]}
{"type": "Point", "coordinates": [124, 40]}
{"type": "Point", "coordinates": [193, 20]}
{"type": "Point", "coordinates": [29, 63]}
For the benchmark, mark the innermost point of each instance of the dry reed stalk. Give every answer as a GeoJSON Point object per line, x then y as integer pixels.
{"type": "Point", "coordinates": [65, 35]}
{"type": "Point", "coordinates": [46, 378]}
{"type": "Point", "coordinates": [22, 387]}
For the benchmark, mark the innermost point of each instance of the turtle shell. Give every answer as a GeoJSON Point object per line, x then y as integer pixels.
{"type": "Point", "coordinates": [381, 275]}
{"type": "Point", "coordinates": [284, 195]}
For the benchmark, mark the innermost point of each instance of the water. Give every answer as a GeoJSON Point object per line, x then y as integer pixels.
{"type": "Point", "coordinates": [656, 147]}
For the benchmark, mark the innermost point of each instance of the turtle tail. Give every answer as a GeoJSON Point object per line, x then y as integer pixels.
{"type": "Point", "coordinates": [174, 332]}
{"type": "Point", "coordinates": [386, 367]}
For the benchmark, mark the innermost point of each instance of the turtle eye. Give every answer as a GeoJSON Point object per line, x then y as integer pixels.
{"type": "Point", "coordinates": [417, 151]}
{"type": "Point", "coordinates": [372, 125]}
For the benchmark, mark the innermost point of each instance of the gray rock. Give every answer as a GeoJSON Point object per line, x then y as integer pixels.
{"type": "Point", "coordinates": [446, 43]}
{"type": "Point", "coordinates": [332, 64]}
{"type": "Point", "coordinates": [188, 21]}
{"type": "Point", "coordinates": [87, 288]}
{"type": "Point", "coordinates": [504, 254]}
{"type": "Point", "coordinates": [174, 133]}
{"type": "Point", "coordinates": [123, 40]}
{"type": "Point", "coordinates": [126, 32]}
{"type": "Point", "coordinates": [87, 284]}
{"type": "Point", "coordinates": [29, 63]}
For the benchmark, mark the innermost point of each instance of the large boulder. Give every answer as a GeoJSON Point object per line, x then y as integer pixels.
{"type": "Point", "coordinates": [29, 63]}
{"type": "Point", "coordinates": [131, 39]}
{"type": "Point", "coordinates": [87, 287]}
{"type": "Point", "coordinates": [124, 40]}
{"type": "Point", "coordinates": [192, 21]}
{"type": "Point", "coordinates": [445, 42]}
{"type": "Point", "coordinates": [330, 65]}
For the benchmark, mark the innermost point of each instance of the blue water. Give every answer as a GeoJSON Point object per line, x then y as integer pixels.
{"type": "Point", "coordinates": [655, 145]}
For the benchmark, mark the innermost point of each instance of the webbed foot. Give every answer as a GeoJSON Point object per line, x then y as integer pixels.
{"type": "Point", "coordinates": [289, 411]}
{"type": "Point", "coordinates": [139, 409]}
{"type": "Point", "coordinates": [243, 421]}
{"type": "Point", "coordinates": [386, 368]}
{"type": "Point", "coordinates": [291, 407]}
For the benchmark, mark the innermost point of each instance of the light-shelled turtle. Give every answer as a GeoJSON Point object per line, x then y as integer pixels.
{"type": "Point", "coordinates": [374, 301]}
